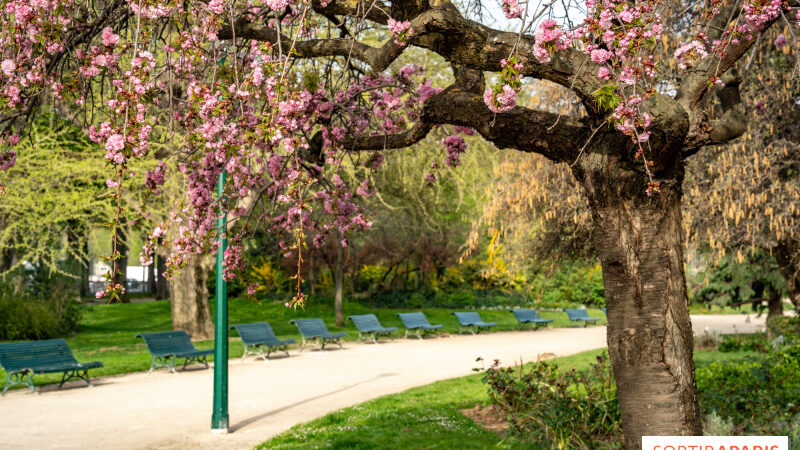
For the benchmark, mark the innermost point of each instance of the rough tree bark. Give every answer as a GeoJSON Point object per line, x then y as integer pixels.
{"type": "Point", "coordinates": [638, 237]}
{"type": "Point", "coordinates": [650, 340]}
{"type": "Point", "coordinates": [190, 299]}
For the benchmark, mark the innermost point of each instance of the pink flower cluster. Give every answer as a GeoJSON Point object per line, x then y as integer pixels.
{"type": "Point", "coordinates": [689, 53]}
{"type": "Point", "coordinates": [455, 146]}
{"type": "Point", "coordinates": [511, 9]}
{"type": "Point", "coordinates": [499, 102]}
{"type": "Point", "coordinates": [503, 96]}
{"type": "Point", "coordinates": [549, 38]}
{"type": "Point", "coordinates": [401, 31]}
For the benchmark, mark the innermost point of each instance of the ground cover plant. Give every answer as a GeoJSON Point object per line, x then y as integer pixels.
{"type": "Point", "coordinates": [430, 416]}
{"type": "Point", "coordinates": [107, 331]}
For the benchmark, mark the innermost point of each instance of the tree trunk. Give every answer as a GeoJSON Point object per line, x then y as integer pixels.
{"type": "Point", "coordinates": [162, 284]}
{"type": "Point", "coordinates": [650, 341]}
{"type": "Point", "coordinates": [152, 286]}
{"type": "Point", "coordinates": [774, 304]}
{"type": "Point", "coordinates": [338, 281]}
{"type": "Point", "coordinates": [121, 277]}
{"type": "Point", "coordinates": [190, 305]}
{"type": "Point", "coordinates": [77, 262]}
{"type": "Point", "coordinates": [312, 274]}
{"type": "Point", "coordinates": [788, 262]}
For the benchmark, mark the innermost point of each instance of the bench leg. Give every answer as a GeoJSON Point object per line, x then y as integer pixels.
{"type": "Point", "coordinates": [23, 378]}
{"type": "Point", "coordinates": [70, 374]}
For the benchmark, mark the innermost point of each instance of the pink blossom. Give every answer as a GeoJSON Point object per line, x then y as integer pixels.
{"type": "Point", "coordinates": [400, 30]}
{"type": "Point", "coordinates": [216, 6]}
{"type": "Point", "coordinates": [780, 41]}
{"type": "Point", "coordinates": [502, 102]}
{"type": "Point", "coordinates": [626, 16]}
{"type": "Point", "coordinates": [511, 9]}
{"type": "Point", "coordinates": [109, 38]}
{"type": "Point", "coordinates": [115, 142]}
{"type": "Point", "coordinates": [8, 67]}
{"type": "Point", "coordinates": [7, 160]}
{"type": "Point", "coordinates": [600, 56]}
{"type": "Point", "coordinates": [277, 5]}
{"type": "Point", "coordinates": [603, 73]}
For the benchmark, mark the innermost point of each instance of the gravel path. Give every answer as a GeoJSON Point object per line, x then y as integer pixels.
{"type": "Point", "coordinates": [166, 411]}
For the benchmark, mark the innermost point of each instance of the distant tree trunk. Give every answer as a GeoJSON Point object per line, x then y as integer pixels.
{"type": "Point", "coordinates": [121, 277]}
{"type": "Point", "coordinates": [338, 281]}
{"type": "Point", "coordinates": [77, 257]}
{"type": "Point", "coordinates": [189, 302]}
{"type": "Point", "coordinates": [774, 304]}
{"type": "Point", "coordinates": [650, 340]}
{"type": "Point", "coordinates": [152, 286]}
{"type": "Point", "coordinates": [789, 269]}
{"type": "Point", "coordinates": [162, 284]}
{"type": "Point", "coordinates": [312, 274]}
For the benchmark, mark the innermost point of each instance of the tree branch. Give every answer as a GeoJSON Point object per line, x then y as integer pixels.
{"type": "Point", "coordinates": [556, 137]}
{"type": "Point", "coordinates": [729, 126]}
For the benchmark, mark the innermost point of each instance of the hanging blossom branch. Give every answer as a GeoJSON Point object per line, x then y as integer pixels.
{"type": "Point", "coordinates": [234, 81]}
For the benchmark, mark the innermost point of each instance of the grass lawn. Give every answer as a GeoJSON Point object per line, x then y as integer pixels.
{"type": "Point", "coordinates": [108, 331]}
{"type": "Point", "coordinates": [424, 417]}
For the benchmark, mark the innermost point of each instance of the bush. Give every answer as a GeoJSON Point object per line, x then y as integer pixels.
{"type": "Point", "coordinates": [558, 409]}
{"type": "Point", "coordinates": [744, 343]}
{"type": "Point", "coordinates": [37, 315]}
{"type": "Point", "coordinates": [757, 394]}
{"type": "Point", "coordinates": [572, 285]}
{"type": "Point", "coordinates": [789, 327]}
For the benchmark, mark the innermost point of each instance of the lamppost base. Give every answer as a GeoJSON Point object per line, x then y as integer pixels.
{"type": "Point", "coordinates": [219, 425]}
{"type": "Point", "coordinates": [220, 430]}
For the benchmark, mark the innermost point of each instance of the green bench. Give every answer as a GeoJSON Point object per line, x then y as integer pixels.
{"type": "Point", "coordinates": [530, 316]}
{"type": "Point", "coordinates": [473, 322]}
{"type": "Point", "coordinates": [315, 329]}
{"type": "Point", "coordinates": [259, 336]}
{"type": "Point", "coordinates": [166, 346]}
{"type": "Point", "coordinates": [416, 321]}
{"type": "Point", "coordinates": [21, 360]}
{"type": "Point", "coordinates": [368, 325]}
{"type": "Point", "coordinates": [579, 315]}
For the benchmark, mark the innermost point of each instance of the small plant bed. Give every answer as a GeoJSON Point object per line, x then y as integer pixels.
{"type": "Point", "coordinates": [108, 332]}
{"type": "Point", "coordinates": [458, 413]}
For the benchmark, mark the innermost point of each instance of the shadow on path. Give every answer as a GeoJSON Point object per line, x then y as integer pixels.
{"type": "Point", "coordinates": [254, 419]}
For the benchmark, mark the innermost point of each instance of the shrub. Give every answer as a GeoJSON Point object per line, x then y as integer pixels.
{"type": "Point", "coordinates": [789, 327]}
{"type": "Point", "coordinates": [744, 343]}
{"type": "Point", "coordinates": [558, 409]}
{"type": "Point", "coordinates": [37, 315]}
{"type": "Point", "coordinates": [756, 393]}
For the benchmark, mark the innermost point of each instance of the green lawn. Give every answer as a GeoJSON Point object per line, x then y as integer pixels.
{"type": "Point", "coordinates": [424, 417]}
{"type": "Point", "coordinates": [108, 331]}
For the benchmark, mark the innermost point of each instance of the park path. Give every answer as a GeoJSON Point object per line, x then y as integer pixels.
{"type": "Point", "coordinates": [167, 411]}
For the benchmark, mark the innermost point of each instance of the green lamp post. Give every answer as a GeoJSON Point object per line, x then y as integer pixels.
{"type": "Point", "coordinates": [219, 415]}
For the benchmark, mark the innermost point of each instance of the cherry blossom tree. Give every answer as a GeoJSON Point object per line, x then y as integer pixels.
{"type": "Point", "coordinates": [279, 93]}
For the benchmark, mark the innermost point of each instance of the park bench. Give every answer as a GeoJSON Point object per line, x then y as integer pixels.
{"type": "Point", "coordinates": [368, 325]}
{"type": "Point", "coordinates": [579, 315]}
{"type": "Point", "coordinates": [416, 321]}
{"type": "Point", "coordinates": [259, 336]}
{"type": "Point", "coordinates": [21, 360]}
{"type": "Point", "coordinates": [166, 346]}
{"type": "Point", "coordinates": [473, 322]}
{"type": "Point", "coordinates": [315, 329]}
{"type": "Point", "coordinates": [530, 316]}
